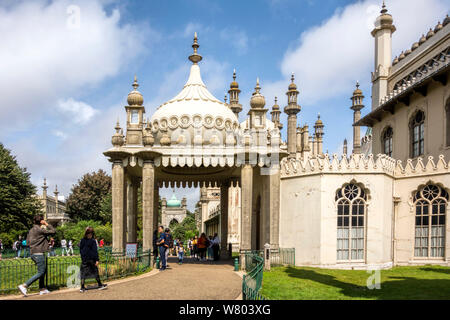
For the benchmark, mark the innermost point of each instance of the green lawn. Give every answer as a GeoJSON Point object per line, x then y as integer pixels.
{"type": "Point", "coordinates": [295, 283]}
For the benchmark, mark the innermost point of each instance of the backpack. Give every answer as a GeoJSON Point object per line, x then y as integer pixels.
{"type": "Point", "coordinates": [24, 243]}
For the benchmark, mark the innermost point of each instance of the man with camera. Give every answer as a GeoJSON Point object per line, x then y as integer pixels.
{"type": "Point", "coordinates": [37, 240]}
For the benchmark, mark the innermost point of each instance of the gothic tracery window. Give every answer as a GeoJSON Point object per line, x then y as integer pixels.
{"type": "Point", "coordinates": [417, 134]}
{"type": "Point", "coordinates": [387, 141]}
{"type": "Point", "coordinates": [431, 204]}
{"type": "Point", "coordinates": [351, 209]}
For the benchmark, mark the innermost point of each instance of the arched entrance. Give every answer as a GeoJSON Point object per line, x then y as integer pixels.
{"type": "Point", "coordinates": [195, 140]}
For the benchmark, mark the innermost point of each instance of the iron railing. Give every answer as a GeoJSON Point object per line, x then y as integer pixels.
{"type": "Point", "coordinates": [252, 281]}
{"type": "Point", "coordinates": [63, 271]}
{"type": "Point", "coordinates": [253, 264]}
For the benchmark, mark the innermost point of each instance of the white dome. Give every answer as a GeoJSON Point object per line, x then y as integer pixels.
{"type": "Point", "coordinates": [193, 108]}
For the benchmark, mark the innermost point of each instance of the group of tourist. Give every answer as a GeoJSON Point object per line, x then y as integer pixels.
{"type": "Point", "coordinates": [39, 245]}
{"type": "Point", "coordinates": [204, 248]}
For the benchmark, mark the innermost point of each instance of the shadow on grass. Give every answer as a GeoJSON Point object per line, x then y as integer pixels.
{"type": "Point", "coordinates": [394, 289]}
{"type": "Point", "coordinates": [446, 271]}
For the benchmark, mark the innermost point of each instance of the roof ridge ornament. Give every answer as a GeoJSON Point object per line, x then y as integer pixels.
{"type": "Point", "coordinates": [195, 57]}
{"type": "Point", "coordinates": [383, 8]}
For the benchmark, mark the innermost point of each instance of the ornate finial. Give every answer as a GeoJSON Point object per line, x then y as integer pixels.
{"type": "Point", "coordinates": [383, 8]}
{"type": "Point", "coordinates": [357, 84]}
{"type": "Point", "coordinates": [234, 74]}
{"type": "Point", "coordinates": [276, 100]}
{"type": "Point", "coordinates": [292, 77]}
{"type": "Point", "coordinates": [225, 98]}
{"type": "Point", "coordinates": [44, 186]}
{"type": "Point", "coordinates": [135, 84]}
{"type": "Point", "coordinates": [195, 57]}
{"type": "Point", "coordinates": [257, 88]}
{"type": "Point", "coordinates": [56, 189]}
{"type": "Point", "coordinates": [117, 127]}
{"type": "Point", "coordinates": [318, 115]}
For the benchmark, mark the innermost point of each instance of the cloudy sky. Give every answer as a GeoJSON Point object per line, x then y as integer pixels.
{"type": "Point", "coordinates": [67, 66]}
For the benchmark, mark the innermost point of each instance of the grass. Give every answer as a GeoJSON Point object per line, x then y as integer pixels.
{"type": "Point", "coordinates": [412, 283]}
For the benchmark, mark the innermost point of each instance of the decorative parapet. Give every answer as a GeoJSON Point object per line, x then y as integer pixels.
{"type": "Point", "coordinates": [359, 163]}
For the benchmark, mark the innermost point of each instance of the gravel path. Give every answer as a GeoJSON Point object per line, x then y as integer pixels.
{"type": "Point", "coordinates": [190, 281]}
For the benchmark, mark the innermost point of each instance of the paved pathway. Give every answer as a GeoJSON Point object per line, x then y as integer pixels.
{"type": "Point", "coordinates": [190, 281]}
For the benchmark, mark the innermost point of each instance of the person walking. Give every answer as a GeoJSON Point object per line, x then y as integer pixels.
{"type": "Point", "coordinates": [37, 240]}
{"type": "Point", "coordinates": [19, 247]}
{"type": "Point", "coordinates": [170, 245]}
{"type": "Point", "coordinates": [215, 247]}
{"type": "Point", "coordinates": [70, 248]}
{"type": "Point", "coordinates": [209, 249]}
{"type": "Point", "coordinates": [190, 246]}
{"type": "Point", "coordinates": [180, 250]}
{"type": "Point", "coordinates": [155, 246]}
{"type": "Point", "coordinates": [89, 260]}
{"type": "Point", "coordinates": [195, 247]}
{"type": "Point", "coordinates": [51, 247]}
{"type": "Point", "coordinates": [63, 247]}
{"type": "Point", "coordinates": [15, 247]}
{"type": "Point", "coordinates": [162, 246]}
{"type": "Point", "coordinates": [26, 248]}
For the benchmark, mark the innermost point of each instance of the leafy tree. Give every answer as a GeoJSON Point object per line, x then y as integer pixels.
{"type": "Point", "coordinates": [18, 201]}
{"type": "Point", "coordinates": [87, 197]}
{"type": "Point", "coordinates": [106, 208]}
{"type": "Point", "coordinates": [75, 231]}
{"type": "Point", "coordinates": [186, 229]}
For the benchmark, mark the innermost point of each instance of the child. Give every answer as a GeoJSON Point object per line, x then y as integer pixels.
{"type": "Point", "coordinates": [89, 259]}
{"type": "Point", "coordinates": [180, 252]}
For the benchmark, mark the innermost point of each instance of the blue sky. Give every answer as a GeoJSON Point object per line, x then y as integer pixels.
{"type": "Point", "coordinates": [62, 88]}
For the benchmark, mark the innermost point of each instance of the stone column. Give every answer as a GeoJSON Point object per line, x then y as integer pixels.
{"type": "Point", "coordinates": [224, 189]}
{"type": "Point", "coordinates": [155, 207]}
{"type": "Point", "coordinates": [292, 134]}
{"type": "Point", "coordinates": [246, 208]}
{"type": "Point", "coordinates": [118, 200]}
{"type": "Point", "coordinates": [274, 205]}
{"type": "Point", "coordinates": [132, 211]}
{"type": "Point", "coordinates": [148, 185]}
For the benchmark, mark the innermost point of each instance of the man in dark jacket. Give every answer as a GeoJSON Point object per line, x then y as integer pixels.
{"type": "Point", "coordinates": [37, 240]}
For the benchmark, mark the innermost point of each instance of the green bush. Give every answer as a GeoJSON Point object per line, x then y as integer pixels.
{"type": "Point", "coordinates": [75, 231]}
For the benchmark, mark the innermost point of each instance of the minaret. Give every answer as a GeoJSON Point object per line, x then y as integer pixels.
{"type": "Point", "coordinates": [234, 96]}
{"type": "Point", "coordinates": [257, 112]}
{"type": "Point", "coordinates": [344, 148]}
{"type": "Point", "coordinates": [135, 115]}
{"type": "Point", "coordinates": [44, 197]}
{"type": "Point", "coordinates": [56, 200]}
{"type": "Point", "coordinates": [318, 133]}
{"type": "Point", "coordinates": [291, 110]}
{"type": "Point", "coordinates": [357, 105]}
{"type": "Point", "coordinates": [275, 113]}
{"type": "Point", "coordinates": [382, 33]}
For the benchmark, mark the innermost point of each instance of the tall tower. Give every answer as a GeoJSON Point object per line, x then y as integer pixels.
{"type": "Point", "coordinates": [56, 192]}
{"type": "Point", "coordinates": [234, 96]}
{"type": "Point", "coordinates": [135, 115]}
{"type": "Point", "coordinates": [275, 113]}
{"type": "Point", "coordinates": [291, 110]}
{"type": "Point", "coordinates": [357, 105]}
{"type": "Point", "coordinates": [44, 197]}
{"type": "Point", "coordinates": [318, 133]}
{"type": "Point", "coordinates": [382, 33]}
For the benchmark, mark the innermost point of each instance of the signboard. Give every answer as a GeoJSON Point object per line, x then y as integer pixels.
{"type": "Point", "coordinates": [131, 250]}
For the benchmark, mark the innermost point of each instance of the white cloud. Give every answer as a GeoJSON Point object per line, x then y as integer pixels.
{"type": "Point", "coordinates": [46, 57]}
{"type": "Point", "coordinates": [237, 38]}
{"type": "Point", "coordinates": [78, 111]}
{"type": "Point", "coordinates": [329, 58]}
{"type": "Point", "coordinates": [60, 134]}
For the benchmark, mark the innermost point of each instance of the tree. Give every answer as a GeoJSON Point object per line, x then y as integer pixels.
{"type": "Point", "coordinates": [87, 197]}
{"type": "Point", "coordinates": [18, 201]}
{"type": "Point", "coordinates": [186, 229]}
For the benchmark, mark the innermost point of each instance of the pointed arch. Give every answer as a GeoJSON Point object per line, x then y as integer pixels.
{"type": "Point", "coordinates": [417, 133]}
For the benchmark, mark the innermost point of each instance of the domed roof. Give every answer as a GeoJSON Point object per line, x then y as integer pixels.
{"type": "Point", "coordinates": [174, 202]}
{"type": "Point", "coordinates": [257, 101]}
{"type": "Point", "coordinates": [193, 107]}
{"type": "Point", "coordinates": [135, 98]}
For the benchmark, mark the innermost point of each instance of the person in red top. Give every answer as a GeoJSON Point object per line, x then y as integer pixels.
{"type": "Point", "coordinates": [102, 243]}
{"type": "Point", "coordinates": [202, 245]}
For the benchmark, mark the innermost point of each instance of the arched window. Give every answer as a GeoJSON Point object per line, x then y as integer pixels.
{"type": "Point", "coordinates": [417, 134]}
{"type": "Point", "coordinates": [447, 122]}
{"type": "Point", "coordinates": [431, 204]}
{"type": "Point", "coordinates": [387, 141]}
{"type": "Point", "coordinates": [351, 209]}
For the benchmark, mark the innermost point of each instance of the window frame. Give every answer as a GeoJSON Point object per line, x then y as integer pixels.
{"type": "Point", "coordinates": [417, 128]}
{"type": "Point", "coordinates": [343, 200]}
{"type": "Point", "coordinates": [390, 139]}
